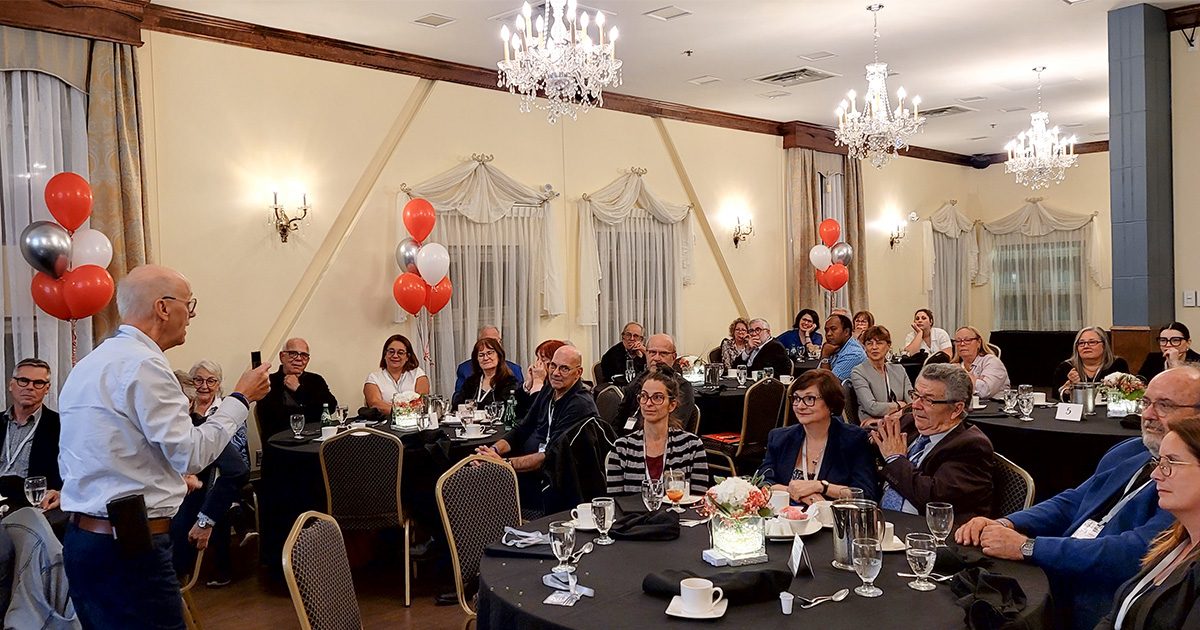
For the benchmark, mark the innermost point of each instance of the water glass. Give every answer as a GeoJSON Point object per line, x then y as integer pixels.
{"type": "Point", "coordinates": [743, 373]}
{"type": "Point", "coordinates": [867, 557]}
{"type": "Point", "coordinates": [296, 421]}
{"type": "Point", "coordinates": [652, 493]}
{"type": "Point", "coordinates": [768, 372]}
{"type": "Point", "coordinates": [630, 371]}
{"type": "Point", "coordinates": [562, 543]}
{"type": "Point", "coordinates": [35, 491]}
{"type": "Point", "coordinates": [604, 511]}
{"type": "Point", "coordinates": [677, 487]}
{"type": "Point", "coordinates": [922, 555]}
{"type": "Point", "coordinates": [1010, 400]}
{"type": "Point", "coordinates": [851, 493]}
{"type": "Point", "coordinates": [495, 412]}
{"type": "Point", "coordinates": [1025, 406]}
{"type": "Point", "coordinates": [940, 519]}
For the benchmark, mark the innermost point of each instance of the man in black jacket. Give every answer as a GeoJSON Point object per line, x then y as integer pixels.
{"type": "Point", "coordinates": [293, 390]}
{"type": "Point", "coordinates": [29, 432]}
{"type": "Point", "coordinates": [630, 348]}
{"type": "Point", "coordinates": [765, 350]}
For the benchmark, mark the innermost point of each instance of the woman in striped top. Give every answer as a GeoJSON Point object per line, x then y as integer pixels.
{"type": "Point", "coordinates": [660, 445]}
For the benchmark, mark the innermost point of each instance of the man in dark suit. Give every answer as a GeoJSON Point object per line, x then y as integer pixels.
{"type": "Point", "coordinates": [29, 432]}
{"type": "Point", "coordinates": [630, 348]}
{"type": "Point", "coordinates": [935, 456]}
{"type": "Point", "coordinates": [765, 350]}
{"type": "Point", "coordinates": [1090, 539]}
{"type": "Point", "coordinates": [661, 355]}
{"type": "Point", "coordinates": [293, 390]}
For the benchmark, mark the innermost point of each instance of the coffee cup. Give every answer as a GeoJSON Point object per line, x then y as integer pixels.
{"type": "Point", "coordinates": [472, 430]}
{"type": "Point", "coordinates": [731, 373]}
{"type": "Point", "coordinates": [358, 425]}
{"type": "Point", "coordinates": [779, 500]}
{"type": "Point", "coordinates": [1039, 398]}
{"type": "Point", "coordinates": [583, 516]}
{"type": "Point", "coordinates": [481, 415]}
{"type": "Point", "coordinates": [786, 379]}
{"type": "Point", "coordinates": [328, 432]}
{"type": "Point", "coordinates": [889, 534]}
{"type": "Point", "coordinates": [823, 511]}
{"type": "Point", "coordinates": [698, 595]}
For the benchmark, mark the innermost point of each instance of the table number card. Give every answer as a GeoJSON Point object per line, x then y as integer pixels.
{"type": "Point", "coordinates": [799, 562]}
{"type": "Point", "coordinates": [1072, 412]}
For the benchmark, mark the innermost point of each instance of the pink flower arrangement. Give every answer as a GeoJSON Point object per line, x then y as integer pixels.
{"type": "Point", "coordinates": [1122, 385]}
{"type": "Point", "coordinates": [736, 497]}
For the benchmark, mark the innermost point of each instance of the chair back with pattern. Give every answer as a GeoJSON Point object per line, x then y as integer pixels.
{"type": "Point", "coordinates": [1014, 487]}
{"type": "Point", "coordinates": [715, 356]}
{"type": "Point", "coordinates": [760, 414]}
{"type": "Point", "coordinates": [691, 424]}
{"type": "Point", "coordinates": [478, 499]}
{"type": "Point", "coordinates": [359, 496]}
{"type": "Point", "coordinates": [786, 411]}
{"type": "Point", "coordinates": [850, 411]}
{"type": "Point", "coordinates": [608, 401]}
{"type": "Point", "coordinates": [318, 575]}
{"type": "Point", "coordinates": [598, 375]}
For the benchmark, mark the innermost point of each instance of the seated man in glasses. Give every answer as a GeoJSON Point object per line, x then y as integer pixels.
{"type": "Point", "coordinates": [630, 348]}
{"type": "Point", "coordinates": [1092, 538]}
{"type": "Point", "coordinates": [933, 455]}
{"type": "Point", "coordinates": [765, 350]}
{"type": "Point", "coordinates": [660, 357]}
{"type": "Point", "coordinates": [29, 434]}
{"type": "Point", "coordinates": [293, 390]}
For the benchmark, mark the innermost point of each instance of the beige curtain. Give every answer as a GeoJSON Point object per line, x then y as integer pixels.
{"type": "Point", "coordinates": [116, 166]}
{"type": "Point", "coordinates": [854, 232]}
{"type": "Point", "coordinates": [57, 55]}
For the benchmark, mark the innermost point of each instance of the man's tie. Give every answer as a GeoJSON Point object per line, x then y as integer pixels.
{"type": "Point", "coordinates": [892, 499]}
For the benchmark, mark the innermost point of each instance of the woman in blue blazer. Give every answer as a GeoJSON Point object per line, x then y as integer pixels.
{"type": "Point", "coordinates": [821, 456]}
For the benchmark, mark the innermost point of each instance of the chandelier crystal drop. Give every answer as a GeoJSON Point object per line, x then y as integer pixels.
{"type": "Point", "coordinates": [556, 55]}
{"type": "Point", "coordinates": [1038, 156]}
{"type": "Point", "coordinates": [877, 131]}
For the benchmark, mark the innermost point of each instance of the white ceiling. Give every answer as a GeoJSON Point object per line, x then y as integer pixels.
{"type": "Point", "coordinates": [943, 50]}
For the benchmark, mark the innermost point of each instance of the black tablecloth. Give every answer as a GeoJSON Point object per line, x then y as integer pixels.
{"type": "Point", "coordinates": [511, 591]}
{"type": "Point", "coordinates": [1058, 454]}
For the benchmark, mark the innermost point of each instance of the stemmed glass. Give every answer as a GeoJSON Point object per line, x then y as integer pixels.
{"type": "Point", "coordinates": [495, 412]}
{"type": "Point", "coordinates": [921, 554]}
{"type": "Point", "coordinates": [676, 487]}
{"type": "Point", "coordinates": [1025, 405]}
{"type": "Point", "coordinates": [35, 491]}
{"type": "Point", "coordinates": [742, 375]}
{"type": "Point", "coordinates": [562, 543]}
{"type": "Point", "coordinates": [296, 421]}
{"type": "Point", "coordinates": [603, 511]}
{"type": "Point", "coordinates": [868, 560]}
{"type": "Point", "coordinates": [940, 519]}
{"type": "Point", "coordinates": [652, 493]}
{"type": "Point", "coordinates": [851, 493]}
{"type": "Point", "coordinates": [630, 371]}
{"type": "Point", "coordinates": [768, 372]}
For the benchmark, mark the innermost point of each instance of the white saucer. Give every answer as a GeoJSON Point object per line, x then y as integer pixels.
{"type": "Point", "coordinates": [320, 438]}
{"type": "Point", "coordinates": [676, 610]}
{"type": "Point", "coordinates": [978, 407]}
{"type": "Point", "coordinates": [811, 526]}
{"type": "Point", "coordinates": [486, 433]}
{"type": "Point", "coordinates": [582, 529]}
{"type": "Point", "coordinates": [895, 545]}
{"type": "Point", "coordinates": [688, 499]}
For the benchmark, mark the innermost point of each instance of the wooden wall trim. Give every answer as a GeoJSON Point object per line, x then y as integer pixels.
{"type": "Point", "coordinates": [1180, 18]}
{"type": "Point", "coordinates": [109, 20]}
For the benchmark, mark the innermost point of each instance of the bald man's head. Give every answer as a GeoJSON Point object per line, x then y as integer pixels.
{"type": "Point", "coordinates": [138, 291]}
{"type": "Point", "coordinates": [565, 369]}
{"type": "Point", "coordinates": [660, 352]}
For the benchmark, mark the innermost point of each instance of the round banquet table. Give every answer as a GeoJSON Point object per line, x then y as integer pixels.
{"type": "Point", "coordinates": [1058, 454]}
{"type": "Point", "coordinates": [511, 589]}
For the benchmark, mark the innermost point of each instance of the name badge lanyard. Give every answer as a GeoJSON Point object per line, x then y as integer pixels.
{"type": "Point", "coordinates": [549, 427]}
{"type": "Point", "coordinates": [1144, 584]}
{"type": "Point", "coordinates": [10, 458]}
{"type": "Point", "coordinates": [804, 464]}
{"type": "Point", "coordinates": [1116, 508]}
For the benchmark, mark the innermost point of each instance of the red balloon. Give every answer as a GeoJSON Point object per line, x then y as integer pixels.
{"type": "Point", "coordinates": [439, 296]}
{"type": "Point", "coordinates": [69, 199]}
{"type": "Point", "coordinates": [829, 231]}
{"type": "Point", "coordinates": [48, 295]}
{"type": "Point", "coordinates": [87, 290]}
{"type": "Point", "coordinates": [419, 218]}
{"type": "Point", "coordinates": [410, 292]}
{"type": "Point", "coordinates": [836, 277]}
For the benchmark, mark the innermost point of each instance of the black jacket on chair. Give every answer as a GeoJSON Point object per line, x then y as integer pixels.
{"type": "Point", "coordinates": [43, 450]}
{"type": "Point", "coordinates": [573, 471]}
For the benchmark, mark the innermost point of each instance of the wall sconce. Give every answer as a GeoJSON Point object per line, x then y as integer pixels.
{"type": "Point", "coordinates": [282, 222]}
{"type": "Point", "coordinates": [742, 232]}
{"type": "Point", "coordinates": [900, 230]}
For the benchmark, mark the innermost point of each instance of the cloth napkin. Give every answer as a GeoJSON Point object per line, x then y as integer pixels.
{"type": "Point", "coordinates": [990, 600]}
{"type": "Point", "coordinates": [740, 587]}
{"type": "Point", "coordinates": [660, 525]}
{"type": "Point", "coordinates": [953, 558]}
{"type": "Point", "coordinates": [516, 543]}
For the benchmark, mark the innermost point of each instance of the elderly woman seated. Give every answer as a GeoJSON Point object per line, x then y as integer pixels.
{"type": "Point", "coordinates": [660, 445]}
{"type": "Point", "coordinates": [881, 387]}
{"type": "Point", "coordinates": [820, 457]}
{"type": "Point", "coordinates": [988, 374]}
{"type": "Point", "coordinates": [1091, 360]}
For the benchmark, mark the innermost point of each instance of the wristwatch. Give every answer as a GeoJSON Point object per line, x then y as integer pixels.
{"type": "Point", "coordinates": [824, 487]}
{"type": "Point", "coordinates": [203, 522]}
{"type": "Point", "coordinates": [1027, 549]}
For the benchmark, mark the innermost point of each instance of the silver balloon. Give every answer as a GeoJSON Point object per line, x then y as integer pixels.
{"type": "Point", "coordinates": [46, 246]}
{"type": "Point", "coordinates": [406, 255]}
{"type": "Point", "coordinates": [842, 253]}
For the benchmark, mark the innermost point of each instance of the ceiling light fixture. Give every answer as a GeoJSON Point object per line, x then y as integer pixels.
{"type": "Point", "coordinates": [1038, 156]}
{"type": "Point", "coordinates": [556, 56]}
{"type": "Point", "coordinates": [877, 132]}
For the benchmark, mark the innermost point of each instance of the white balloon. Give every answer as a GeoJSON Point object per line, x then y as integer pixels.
{"type": "Point", "coordinates": [433, 261]}
{"type": "Point", "coordinates": [90, 247]}
{"type": "Point", "coordinates": [820, 257]}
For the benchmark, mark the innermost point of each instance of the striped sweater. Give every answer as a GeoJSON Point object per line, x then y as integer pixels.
{"type": "Point", "coordinates": [627, 464]}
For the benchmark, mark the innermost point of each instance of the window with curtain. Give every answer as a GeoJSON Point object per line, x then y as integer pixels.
{"type": "Point", "coordinates": [950, 260]}
{"type": "Point", "coordinates": [1038, 285]}
{"type": "Point", "coordinates": [640, 279]}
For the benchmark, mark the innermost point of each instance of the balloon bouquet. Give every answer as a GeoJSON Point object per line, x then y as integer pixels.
{"type": "Point", "coordinates": [71, 282]}
{"type": "Point", "coordinates": [831, 258]}
{"type": "Point", "coordinates": [423, 282]}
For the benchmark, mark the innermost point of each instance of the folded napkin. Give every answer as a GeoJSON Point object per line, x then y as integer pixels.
{"type": "Point", "coordinates": [520, 539]}
{"type": "Point", "coordinates": [567, 582]}
{"type": "Point", "coordinates": [990, 600]}
{"type": "Point", "coordinates": [740, 587]}
{"type": "Point", "coordinates": [953, 558]}
{"type": "Point", "coordinates": [661, 525]}
{"type": "Point", "coordinates": [628, 504]}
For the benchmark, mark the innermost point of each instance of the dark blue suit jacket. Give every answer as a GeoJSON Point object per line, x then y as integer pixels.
{"type": "Point", "coordinates": [464, 372]}
{"type": "Point", "coordinates": [849, 460]}
{"type": "Point", "coordinates": [1085, 574]}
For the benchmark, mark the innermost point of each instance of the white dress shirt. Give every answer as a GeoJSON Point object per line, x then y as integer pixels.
{"type": "Point", "coordinates": [389, 387]}
{"type": "Point", "coordinates": [938, 340]}
{"type": "Point", "coordinates": [126, 429]}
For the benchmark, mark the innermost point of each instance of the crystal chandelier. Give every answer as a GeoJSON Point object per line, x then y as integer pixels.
{"type": "Point", "coordinates": [878, 131]}
{"type": "Point", "coordinates": [556, 55]}
{"type": "Point", "coordinates": [1038, 156]}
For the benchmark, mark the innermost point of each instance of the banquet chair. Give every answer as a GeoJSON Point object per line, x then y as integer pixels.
{"type": "Point", "coordinates": [692, 424]}
{"type": "Point", "coordinates": [937, 357]}
{"type": "Point", "coordinates": [477, 498]}
{"type": "Point", "coordinates": [760, 414]}
{"type": "Point", "coordinates": [598, 375]}
{"type": "Point", "coordinates": [995, 349]}
{"type": "Point", "coordinates": [714, 355]}
{"type": "Point", "coordinates": [608, 401]}
{"type": "Point", "coordinates": [785, 409]}
{"type": "Point", "coordinates": [318, 575]}
{"type": "Point", "coordinates": [367, 497]}
{"type": "Point", "coordinates": [189, 605]}
{"type": "Point", "coordinates": [850, 411]}
{"type": "Point", "coordinates": [1013, 487]}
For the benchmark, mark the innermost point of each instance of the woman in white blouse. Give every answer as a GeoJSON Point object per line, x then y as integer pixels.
{"type": "Point", "coordinates": [925, 336]}
{"type": "Point", "coordinates": [988, 374]}
{"type": "Point", "coordinates": [399, 372]}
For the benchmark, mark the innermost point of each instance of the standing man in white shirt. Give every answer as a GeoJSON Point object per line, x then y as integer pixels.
{"type": "Point", "coordinates": [126, 432]}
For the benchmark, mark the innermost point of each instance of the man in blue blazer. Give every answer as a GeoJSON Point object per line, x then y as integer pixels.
{"type": "Point", "coordinates": [1091, 539]}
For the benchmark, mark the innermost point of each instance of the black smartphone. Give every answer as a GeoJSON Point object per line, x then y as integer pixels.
{"type": "Point", "coordinates": [131, 526]}
{"type": "Point", "coordinates": [255, 359]}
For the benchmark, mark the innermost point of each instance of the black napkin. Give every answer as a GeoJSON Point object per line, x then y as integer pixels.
{"type": "Point", "coordinates": [990, 600]}
{"type": "Point", "coordinates": [953, 558]}
{"type": "Point", "coordinates": [501, 550]}
{"type": "Point", "coordinates": [660, 525]}
{"type": "Point", "coordinates": [630, 504]}
{"type": "Point", "coordinates": [740, 587]}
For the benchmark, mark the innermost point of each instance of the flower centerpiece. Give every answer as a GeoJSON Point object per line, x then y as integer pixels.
{"type": "Point", "coordinates": [407, 409]}
{"type": "Point", "coordinates": [1123, 392]}
{"type": "Point", "coordinates": [738, 507]}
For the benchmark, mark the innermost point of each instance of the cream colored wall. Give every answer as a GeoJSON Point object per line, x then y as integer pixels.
{"type": "Point", "coordinates": [1185, 122]}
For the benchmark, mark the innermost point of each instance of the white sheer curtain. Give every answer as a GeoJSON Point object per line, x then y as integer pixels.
{"type": "Point", "coordinates": [635, 255]}
{"type": "Point", "coordinates": [833, 206]}
{"type": "Point", "coordinates": [1038, 260]}
{"type": "Point", "coordinates": [44, 124]}
{"type": "Point", "coordinates": [503, 266]}
{"type": "Point", "coordinates": [950, 261]}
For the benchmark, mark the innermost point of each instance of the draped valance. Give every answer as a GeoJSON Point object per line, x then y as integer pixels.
{"type": "Point", "coordinates": [1036, 220]}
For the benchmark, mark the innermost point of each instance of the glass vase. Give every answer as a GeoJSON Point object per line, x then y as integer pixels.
{"type": "Point", "coordinates": [738, 538]}
{"type": "Point", "coordinates": [1119, 407]}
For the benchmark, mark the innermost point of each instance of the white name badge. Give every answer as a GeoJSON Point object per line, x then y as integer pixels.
{"type": "Point", "coordinates": [1072, 412]}
{"type": "Point", "coordinates": [799, 562]}
{"type": "Point", "coordinates": [1088, 531]}
{"type": "Point", "coordinates": [542, 447]}
{"type": "Point", "coordinates": [630, 423]}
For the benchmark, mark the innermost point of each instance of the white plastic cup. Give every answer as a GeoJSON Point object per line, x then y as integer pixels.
{"type": "Point", "coordinates": [889, 534]}
{"type": "Point", "coordinates": [974, 402]}
{"type": "Point", "coordinates": [1039, 398]}
{"type": "Point", "coordinates": [785, 602]}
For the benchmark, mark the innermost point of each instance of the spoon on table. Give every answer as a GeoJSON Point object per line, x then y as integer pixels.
{"type": "Point", "coordinates": [836, 597]}
{"type": "Point", "coordinates": [575, 557]}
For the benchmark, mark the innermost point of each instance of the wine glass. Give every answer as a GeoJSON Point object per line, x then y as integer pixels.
{"type": "Point", "coordinates": [495, 411]}
{"type": "Point", "coordinates": [921, 554]}
{"type": "Point", "coordinates": [652, 493]}
{"type": "Point", "coordinates": [35, 491]}
{"type": "Point", "coordinates": [630, 371]}
{"type": "Point", "coordinates": [1010, 400]}
{"type": "Point", "coordinates": [603, 511]}
{"type": "Point", "coordinates": [1025, 406]}
{"type": "Point", "coordinates": [676, 487]}
{"type": "Point", "coordinates": [868, 560]}
{"type": "Point", "coordinates": [742, 374]}
{"type": "Point", "coordinates": [296, 421]}
{"type": "Point", "coordinates": [851, 493]}
{"type": "Point", "coordinates": [562, 543]}
{"type": "Point", "coordinates": [940, 519]}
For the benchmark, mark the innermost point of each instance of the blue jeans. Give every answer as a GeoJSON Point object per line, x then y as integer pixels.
{"type": "Point", "coordinates": [115, 593]}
